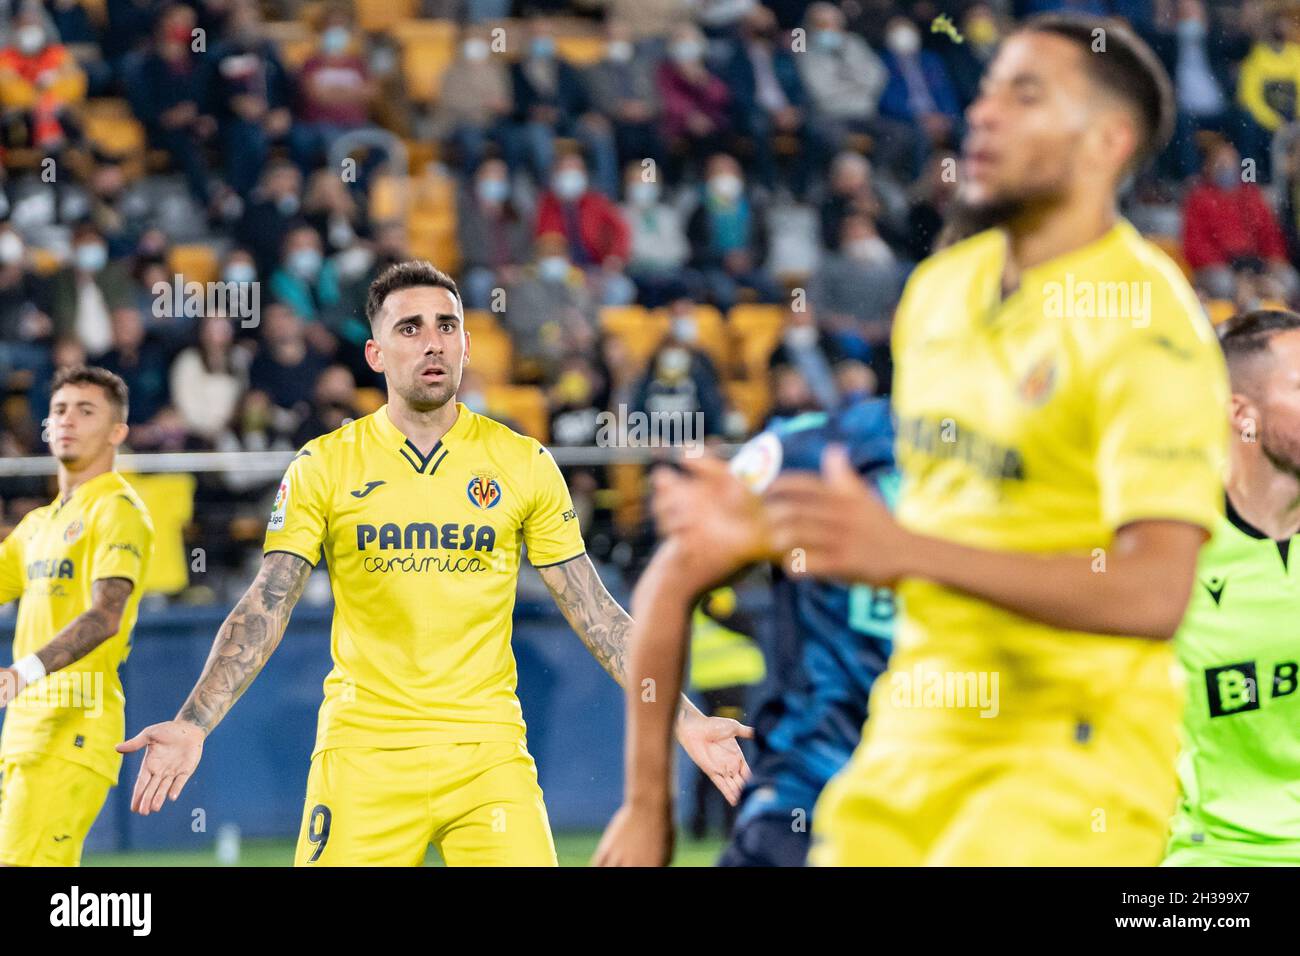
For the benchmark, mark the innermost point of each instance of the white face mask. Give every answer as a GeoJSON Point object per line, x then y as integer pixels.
{"type": "Point", "coordinates": [11, 248]}
{"type": "Point", "coordinates": [91, 256]}
{"type": "Point", "coordinates": [726, 186]}
{"type": "Point", "coordinates": [643, 194]}
{"type": "Point", "coordinates": [868, 249]}
{"type": "Point", "coordinates": [903, 41]}
{"type": "Point", "coordinates": [553, 268]}
{"type": "Point", "coordinates": [240, 272]}
{"type": "Point", "coordinates": [570, 183]}
{"type": "Point", "coordinates": [30, 39]}
{"type": "Point", "coordinates": [476, 49]}
{"type": "Point", "coordinates": [685, 329]}
{"type": "Point", "coordinates": [620, 51]}
{"type": "Point", "coordinates": [674, 362]}
{"type": "Point", "coordinates": [801, 336]}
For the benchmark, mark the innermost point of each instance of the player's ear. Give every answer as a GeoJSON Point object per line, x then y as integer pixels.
{"type": "Point", "coordinates": [117, 434]}
{"type": "Point", "coordinates": [1243, 416]}
{"type": "Point", "coordinates": [374, 357]}
{"type": "Point", "coordinates": [464, 359]}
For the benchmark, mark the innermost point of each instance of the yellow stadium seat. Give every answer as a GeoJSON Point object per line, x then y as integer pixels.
{"type": "Point", "coordinates": [369, 400]}
{"type": "Point", "coordinates": [580, 50]}
{"type": "Point", "coordinates": [388, 198]}
{"type": "Point", "coordinates": [492, 357]}
{"type": "Point", "coordinates": [628, 483]}
{"type": "Point", "coordinates": [377, 16]}
{"type": "Point", "coordinates": [523, 405]}
{"type": "Point", "coordinates": [1220, 310]}
{"type": "Point", "coordinates": [116, 136]}
{"type": "Point", "coordinates": [428, 48]}
{"type": "Point", "coordinates": [755, 331]}
{"type": "Point", "coordinates": [197, 263]}
{"type": "Point", "coordinates": [751, 399]}
{"type": "Point", "coordinates": [637, 327]}
{"type": "Point", "coordinates": [481, 323]}
{"type": "Point", "coordinates": [45, 261]}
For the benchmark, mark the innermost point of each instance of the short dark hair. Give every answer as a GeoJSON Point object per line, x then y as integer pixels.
{"type": "Point", "coordinates": [406, 275]}
{"type": "Point", "coordinates": [1129, 69]}
{"type": "Point", "coordinates": [1247, 336]}
{"type": "Point", "coordinates": [113, 386]}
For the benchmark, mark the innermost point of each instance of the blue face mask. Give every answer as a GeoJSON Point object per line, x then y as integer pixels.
{"type": "Point", "coordinates": [493, 190]}
{"type": "Point", "coordinates": [1225, 178]}
{"type": "Point", "coordinates": [335, 40]}
{"type": "Point", "coordinates": [240, 272]}
{"type": "Point", "coordinates": [91, 257]}
{"type": "Point", "coordinates": [542, 47]}
{"type": "Point", "coordinates": [305, 263]}
{"type": "Point", "coordinates": [553, 268]}
{"type": "Point", "coordinates": [829, 40]}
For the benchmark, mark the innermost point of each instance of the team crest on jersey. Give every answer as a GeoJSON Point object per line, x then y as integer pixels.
{"type": "Point", "coordinates": [280, 507]}
{"type": "Point", "coordinates": [1039, 381]}
{"type": "Point", "coordinates": [73, 531]}
{"type": "Point", "coordinates": [484, 491]}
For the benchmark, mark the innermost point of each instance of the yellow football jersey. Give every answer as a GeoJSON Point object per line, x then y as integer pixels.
{"type": "Point", "coordinates": [1092, 396]}
{"type": "Point", "coordinates": [50, 561]}
{"type": "Point", "coordinates": [423, 556]}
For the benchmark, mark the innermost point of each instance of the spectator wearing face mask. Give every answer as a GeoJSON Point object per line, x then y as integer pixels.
{"type": "Point", "coordinates": [476, 104]}
{"type": "Point", "coordinates": [844, 79]}
{"type": "Point", "coordinates": [575, 402]}
{"type": "Point", "coordinates": [87, 289]}
{"type": "Point", "coordinates": [919, 92]}
{"type": "Point", "coordinates": [728, 236]}
{"type": "Point", "coordinates": [548, 296]}
{"type": "Point", "coordinates": [1226, 220]}
{"type": "Point", "coordinates": [966, 61]}
{"type": "Point", "coordinates": [769, 100]}
{"type": "Point", "coordinates": [859, 284]}
{"type": "Point", "coordinates": [1200, 88]}
{"type": "Point", "coordinates": [1268, 89]}
{"type": "Point", "coordinates": [143, 360]}
{"type": "Point", "coordinates": [40, 84]}
{"type": "Point", "coordinates": [251, 91]}
{"type": "Point", "coordinates": [334, 402]}
{"type": "Point", "coordinates": [811, 353]}
{"type": "Point", "coordinates": [551, 101]}
{"type": "Point", "coordinates": [682, 382]}
{"type": "Point", "coordinates": [276, 207]}
{"type": "Point", "coordinates": [305, 280]}
{"type": "Point", "coordinates": [285, 368]}
{"type": "Point", "coordinates": [598, 238]}
{"type": "Point", "coordinates": [659, 248]}
{"type": "Point", "coordinates": [335, 90]}
{"type": "Point", "coordinates": [169, 90]}
{"type": "Point", "coordinates": [854, 189]}
{"type": "Point", "coordinates": [622, 87]}
{"type": "Point", "coordinates": [494, 235]}
{"type": "Point", "coordinates": [209, 378]}
{"type": "Point", "coordinates": [26, 329]}
{"type": "Point", "coordinates": [696, 102]}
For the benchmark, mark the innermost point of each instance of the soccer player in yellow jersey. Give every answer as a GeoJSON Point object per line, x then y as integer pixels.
{"type": "Point", "coordinates": [420, 511]}
{"type": "Point", "coordinates": [77, 566]}
{"type": "Point", "coordinates": [1060, 403]}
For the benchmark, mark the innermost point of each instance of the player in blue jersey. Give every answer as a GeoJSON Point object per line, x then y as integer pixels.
{"type": "Point", "coordinates": [829, 642]}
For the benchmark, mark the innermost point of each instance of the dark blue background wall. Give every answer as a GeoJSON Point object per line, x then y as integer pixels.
{"type": "Point", "coordinates": [254, 769]}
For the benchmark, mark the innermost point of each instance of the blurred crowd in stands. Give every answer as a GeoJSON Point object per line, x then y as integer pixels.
{"type": "Point", "coordinates": [696, 206]}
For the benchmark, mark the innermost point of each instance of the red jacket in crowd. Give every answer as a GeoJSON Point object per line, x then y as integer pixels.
{"type": "Point", "coordinates": [601, 228]}
{"type": "Point", "coordinates": [1220, 225]}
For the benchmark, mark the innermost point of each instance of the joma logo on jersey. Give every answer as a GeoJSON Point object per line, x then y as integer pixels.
{"type": "Point", "coordinates": [1234, 688]}
{"type": "Point", "coordinates": [425, 535]}
{"type": "Point", "coordinates": [484, 491]}
{"type": "Point", "coordinates": [49, 568]}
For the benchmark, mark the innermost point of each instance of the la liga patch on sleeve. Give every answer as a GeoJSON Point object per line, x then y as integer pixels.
{"type": "Point", "coordinates": [280, 507]}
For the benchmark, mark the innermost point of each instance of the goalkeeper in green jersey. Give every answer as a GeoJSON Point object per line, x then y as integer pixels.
{"type": "Point", "coordinates": [1239, 643]}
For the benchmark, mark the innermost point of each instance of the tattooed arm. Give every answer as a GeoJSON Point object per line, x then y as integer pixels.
{"type": "Point", "coordinates": [84, 633]}
{"type": "Point", "coordinates": [605, 627]}
{"type": "Point", "coordinates": [250, 634]}
{"type": "Point", "coordinates": [99, 622]}
{"type": "Point", "coordinates": [591, 611]}
{"type": "Point", "coordinates": [245, 642]}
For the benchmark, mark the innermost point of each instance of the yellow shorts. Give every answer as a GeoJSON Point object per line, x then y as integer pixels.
{"type": "Point", "coordinates": [479, 804]}
{"type": "Point", "coordinates": [47, 806]}
{"type": "Point", "coordinates": [1054, 795]}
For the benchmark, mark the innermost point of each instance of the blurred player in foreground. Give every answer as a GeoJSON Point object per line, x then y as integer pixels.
{"type": "Point", "coordinates": [831, 642]}
{"type": "Point", "coordinates": [78, 565]}
{"type": "Point", "coordinates": [1059, 397]}
{"type": "Point", "coordinates": [1061, 435]}
{"type": "Point", "coordinates": [421, 509]}
{"type": "Point", "coordinates": [1238, 647]}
